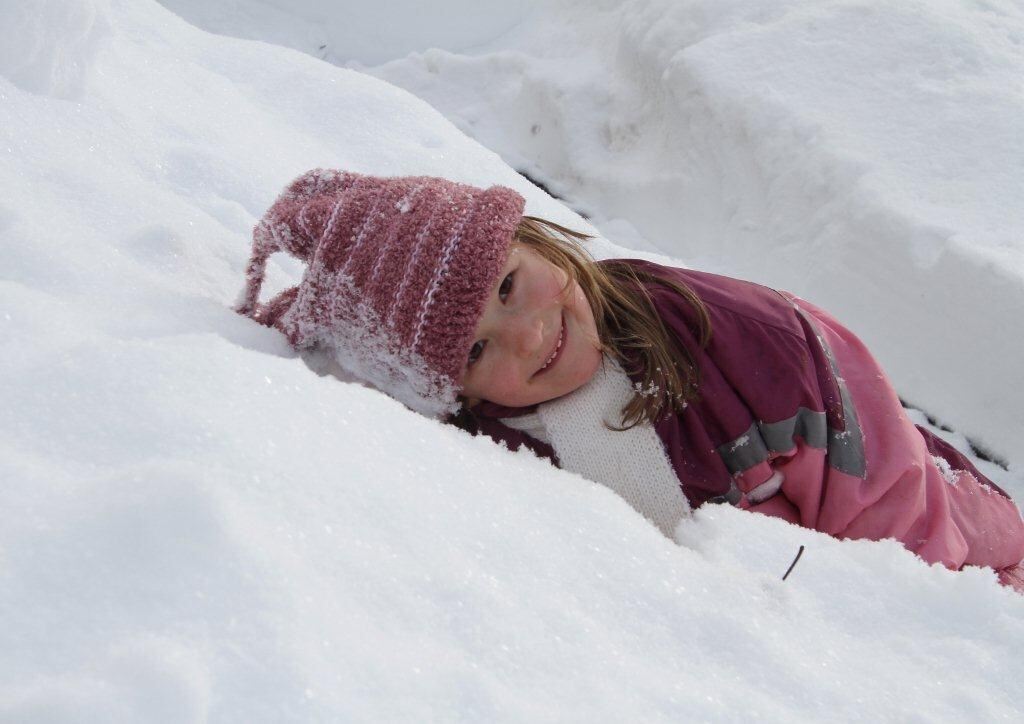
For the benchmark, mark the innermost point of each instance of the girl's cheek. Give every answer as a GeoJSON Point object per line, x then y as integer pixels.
{"type": "Point", "coordinates": [504, 380]}
{"type": "Point", "coordinates": [489, 380]}
{"type": "Point", "coordinates": [560, 281]}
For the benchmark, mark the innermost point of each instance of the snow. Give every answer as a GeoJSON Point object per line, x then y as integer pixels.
{"type": "Point", "coordinates": [196, 526]}
{"type": "Point", "coordinates": [369, 32]}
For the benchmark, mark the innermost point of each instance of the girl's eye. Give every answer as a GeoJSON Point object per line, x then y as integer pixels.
{"type": "Point", "coordinates": [506, 287]}
{"type": "Point", "coordinates": [476, 350]}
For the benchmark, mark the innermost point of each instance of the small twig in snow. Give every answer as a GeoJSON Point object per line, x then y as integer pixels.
{"type": "Point", "coordinates": [793, 564]}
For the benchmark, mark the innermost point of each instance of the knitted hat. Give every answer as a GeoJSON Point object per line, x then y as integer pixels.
{"type": "Point", "coordinates": [397, 275]}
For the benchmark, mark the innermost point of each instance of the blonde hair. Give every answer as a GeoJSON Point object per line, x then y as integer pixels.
{"type": "Point", "coordinates": [629, 327]}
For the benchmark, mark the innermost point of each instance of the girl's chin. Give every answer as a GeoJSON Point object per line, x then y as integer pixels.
{"type": "Point", "coordinates": [592, 362]}
{"type": "Point", "coordinates": [584, 371]}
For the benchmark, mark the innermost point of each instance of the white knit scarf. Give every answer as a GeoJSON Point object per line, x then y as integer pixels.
{"type": "Point", "coordinates": [632, 462]}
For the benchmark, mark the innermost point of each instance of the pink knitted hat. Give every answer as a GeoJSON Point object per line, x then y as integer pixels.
{"type": "Point", "coordinates": [397, 275]}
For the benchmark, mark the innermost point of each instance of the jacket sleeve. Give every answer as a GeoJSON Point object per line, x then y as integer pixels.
{"type": "Point", "coordinates": [791, 400]}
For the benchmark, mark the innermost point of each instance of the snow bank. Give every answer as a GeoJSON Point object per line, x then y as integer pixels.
{"type": "Point", "coordinates": [368, 32]}
{"type": "Point", "coordinates": [194, 526]}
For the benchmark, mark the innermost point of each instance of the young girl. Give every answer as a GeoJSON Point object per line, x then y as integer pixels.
{"type": "Point", "coordinates": [672, 387]}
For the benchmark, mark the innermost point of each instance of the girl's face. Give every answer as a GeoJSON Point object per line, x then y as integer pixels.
{"type": "Point", "coordinates": [536, 340]}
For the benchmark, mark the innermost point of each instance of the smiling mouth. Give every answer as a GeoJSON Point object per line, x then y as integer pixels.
{"type": "Point", "coordinates": [553, 358]}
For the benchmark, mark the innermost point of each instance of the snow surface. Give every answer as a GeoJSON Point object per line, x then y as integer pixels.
{"type": "Point", "coordinates": [195, 526]}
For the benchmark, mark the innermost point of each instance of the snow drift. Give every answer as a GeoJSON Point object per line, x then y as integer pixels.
{"type": "Point", "coordinates": [194, 525]}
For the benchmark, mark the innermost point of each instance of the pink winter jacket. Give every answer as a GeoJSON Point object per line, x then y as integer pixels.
{"type": "Point", "coordinates": [796, 419]}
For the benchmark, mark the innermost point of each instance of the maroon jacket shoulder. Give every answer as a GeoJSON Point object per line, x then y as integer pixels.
{"type": "Point", "coordinates": [758, 366]}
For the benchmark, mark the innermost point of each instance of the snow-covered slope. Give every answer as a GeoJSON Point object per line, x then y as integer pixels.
{"type": "Point", "coordinates": [194, 526]}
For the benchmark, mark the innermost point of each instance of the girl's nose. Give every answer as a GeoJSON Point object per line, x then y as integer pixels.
{"type": "Point", "coordinates": [527, 334]}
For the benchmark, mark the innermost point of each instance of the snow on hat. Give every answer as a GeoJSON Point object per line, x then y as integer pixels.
{"type": "Point", "coordinates": [398, 271]}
